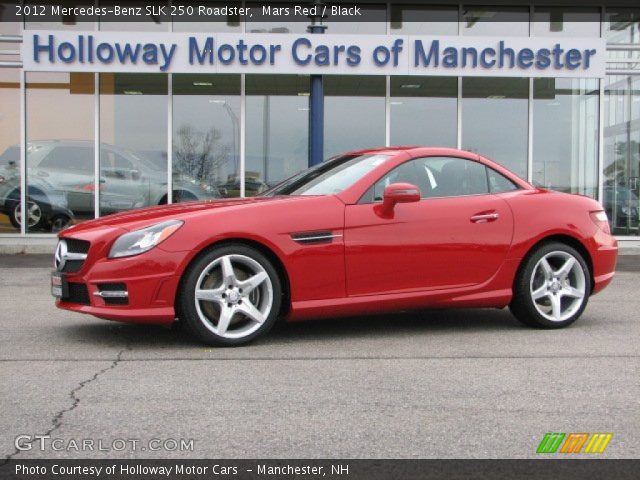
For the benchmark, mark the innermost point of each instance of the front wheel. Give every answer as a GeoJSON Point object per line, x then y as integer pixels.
{"type": "Point", "coordinates": [552, 287]}
{"type": "Point", "coordinates": [35, 215]}
{"type": "Point", "coordinates": [230, 296]}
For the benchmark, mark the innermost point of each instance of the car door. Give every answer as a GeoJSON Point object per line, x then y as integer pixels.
{"type": "Point", "coordinates": [457, 235]}
{"type": "Point", "coordinates": [122, 186]}
{"type": "Point", "coordinates": [69, 167]}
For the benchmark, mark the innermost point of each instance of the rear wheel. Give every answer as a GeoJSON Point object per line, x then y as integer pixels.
{"type": "Point", "coordinates": [552, 287]}
{"type": "Point", "coordinates": [230, 296]}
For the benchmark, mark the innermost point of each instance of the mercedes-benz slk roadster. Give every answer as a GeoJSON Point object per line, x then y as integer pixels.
{"type": "Point", "coordinates": [369, 231]}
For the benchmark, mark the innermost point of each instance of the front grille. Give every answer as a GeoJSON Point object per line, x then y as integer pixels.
{"type": "Point", "coordinates": [71, 254]}
{"type": "Point", "coordinates": [77, 246]}
{"type": "Point", "coordinates": [78, 293]}
{"type": "Point", "coordinates": [72, 266]}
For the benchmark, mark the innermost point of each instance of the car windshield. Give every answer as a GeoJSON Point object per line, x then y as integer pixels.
{"type": "Point", "coordinates": [11, 156]}
{"type": "Point", "coordinates": [329, 177]}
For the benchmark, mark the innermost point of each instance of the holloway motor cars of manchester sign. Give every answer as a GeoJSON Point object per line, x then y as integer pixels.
{"type": "Point", "coordinates": [313, 54]}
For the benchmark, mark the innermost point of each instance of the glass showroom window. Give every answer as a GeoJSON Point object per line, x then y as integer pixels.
{"type": "Point", "coordinates": [60, 149]}
{"type": "Point", "coordinates": [622, 25]}
{"type": "Point", "coordinates": [9, 150]}
{"type": "Point", "coordinates": [354, 115]}
{"type": "Point", "coordinates": [622, 153]}
{"type": "Point", "coordinates": [495, 120]}
{"type": "Point", "coordinates": [133, 141]}
{"type": "Point", "coordinates": [232, 23]}
{"type": "Point", "coordinates": [424, 20]}
{"type": "Point", "coordinates": [565, 134]}
{"type": "Point", "coordinates": [277, 124]}
{"type": "Point", "coordinates": [565, 22]}
{"type": "Point", "coordinates": [495, 21]}
{"type": "Point", "coordinates": [424, 111]}
{"type": "Point", "coordinates": [206, 136]}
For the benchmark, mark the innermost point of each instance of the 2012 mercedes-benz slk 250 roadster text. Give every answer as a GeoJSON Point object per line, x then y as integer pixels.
{"type": "Point", "coordinates": [368, 231]}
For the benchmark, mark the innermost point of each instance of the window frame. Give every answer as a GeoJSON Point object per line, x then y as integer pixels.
{"type": "Point", "coordinates": [489, 169]}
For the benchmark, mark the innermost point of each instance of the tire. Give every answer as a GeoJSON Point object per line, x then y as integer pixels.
{"type": "Point", "coordinates": [59, 223]}
{"type": "Point", "coordinates": [247, 303]}
{"type": "Point", "coordinates": [552, 287]}
{"type": "Point", "coordinates": [36, 222]}
{"type": "Point", "coordinates": [183, 196]}
{"type": "Point", "coordinates": [179, 196]}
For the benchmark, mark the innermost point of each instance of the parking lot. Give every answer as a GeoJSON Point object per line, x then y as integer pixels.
{"type": "Point", "coordinates": [452, 384]}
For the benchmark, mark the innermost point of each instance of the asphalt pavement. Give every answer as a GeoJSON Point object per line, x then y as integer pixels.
{"type": "Point", "coordinates": [433, 384]}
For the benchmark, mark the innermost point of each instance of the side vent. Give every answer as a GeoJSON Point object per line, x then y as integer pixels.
{"type": "Point", "coordinates": [310, 238]}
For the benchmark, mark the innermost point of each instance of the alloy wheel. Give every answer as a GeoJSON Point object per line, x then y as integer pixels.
{"type": "Point", "coordinates": [558, 286]}
{"type": "Point", "coordinates": [34, 214]}
{"type": "Point", "coordinates": [233, 296]}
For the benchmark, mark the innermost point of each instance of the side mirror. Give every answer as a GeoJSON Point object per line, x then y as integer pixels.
{"type": "Point", "coordinates": [399, 193]}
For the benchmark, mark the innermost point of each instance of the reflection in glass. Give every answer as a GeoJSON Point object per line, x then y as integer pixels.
{"type": "Point", "coordinates": [277, 138]}
{"type": "Point", "coordinates": [495, 21]}
{"type": "Point", "coordinates": [566, 22]}
{"type": "Point", "coordinates": [622, 25]}
{"type": "Point", "coordinates": [206, 135]}
{"type": "Point", "coordinates": [9, 149]}
{"type": "Point", "coordinates": [133, 137]}
{"type": "Point", "coordinates": [565, 134]}
{"type": "Point", "coordinates": [60, 149]}
{"type": "Point", "coordinates": [354, 112]}
{"type": "Point", "coordinates": [621, 188]}
{"type": "Point", "coordinates": [424, 20]}
{"type": "Point", "coordinates": [495, 120]}
{"type": "Point", "coordinates": [424, 111]}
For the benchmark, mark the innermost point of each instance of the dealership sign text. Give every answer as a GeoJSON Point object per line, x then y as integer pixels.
{"type": "Point", "coordinates": [314, 54]}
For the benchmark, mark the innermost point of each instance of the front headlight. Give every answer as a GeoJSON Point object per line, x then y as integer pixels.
{"type": "Point", "coordinates": [143, 240]}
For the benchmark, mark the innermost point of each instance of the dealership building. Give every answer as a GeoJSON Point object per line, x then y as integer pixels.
{"type": "Point", "coordinates": [104, 116]}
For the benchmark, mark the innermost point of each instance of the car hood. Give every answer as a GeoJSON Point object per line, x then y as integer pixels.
{"type": "Point", "coordinates": [140, 218]}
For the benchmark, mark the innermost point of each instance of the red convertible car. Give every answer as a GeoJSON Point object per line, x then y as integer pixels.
{"type": "Point", "coordinates": [369, 231]}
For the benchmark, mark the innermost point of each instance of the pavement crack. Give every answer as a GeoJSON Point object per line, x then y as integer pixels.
{"type": "Point", "coordinates": [56, 421]}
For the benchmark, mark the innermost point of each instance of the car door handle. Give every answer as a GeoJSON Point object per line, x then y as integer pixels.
{"type": "Point", "coordinates": [485, 217]}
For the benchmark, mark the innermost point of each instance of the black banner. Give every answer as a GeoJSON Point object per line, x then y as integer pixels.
{"type": "Point", "coordinates": [583, 469]}
{"type": "Point", "coordinates": [234, 11]}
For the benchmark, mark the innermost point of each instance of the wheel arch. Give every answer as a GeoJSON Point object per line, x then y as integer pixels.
{"type": "Point", "coordinates": [255, 244]}
{"type": "Point", "coordinates": [569, 240]}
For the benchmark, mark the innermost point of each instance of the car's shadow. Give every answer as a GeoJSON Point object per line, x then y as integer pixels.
{"type": "Point", "coordinates": [432, 322]}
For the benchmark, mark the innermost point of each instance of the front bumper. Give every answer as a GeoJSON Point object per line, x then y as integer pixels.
{"type": "Point", "coordinates": [151, 281]}
{"type": "Point", "coordinates": [604, 254]}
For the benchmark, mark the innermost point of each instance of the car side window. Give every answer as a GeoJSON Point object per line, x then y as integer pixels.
{"type": "Point", "coordinates": [435, 177]}
{"type": "Point", "coordinates": [404, 173]}
{"type": "Point", "coordinates": [456, 177]}
{"type": "Point", "coordinates": [69, 158]}
{"type": "Point", "coordinates": [113, 165]}
{"type": "Point", "coordinates": [498, 183]}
